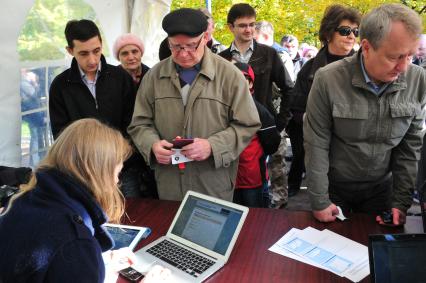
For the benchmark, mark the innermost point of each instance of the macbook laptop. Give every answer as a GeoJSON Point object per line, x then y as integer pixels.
{"type": "Point", "coordinates": [397, 258]}
{"type": "Point", "coordinates": [199, 240]}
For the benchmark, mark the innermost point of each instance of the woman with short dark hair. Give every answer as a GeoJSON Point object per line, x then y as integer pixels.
{"type": "Point", "coordinates": [338, 33]}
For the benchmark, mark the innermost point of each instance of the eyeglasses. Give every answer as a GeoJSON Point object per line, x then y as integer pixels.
{"type": "Point", "coordinates": [244, 26]}
{"type": "Point", "coordinates": [188, 48]}
{"type": "Point", "coordinates": [346, 31]}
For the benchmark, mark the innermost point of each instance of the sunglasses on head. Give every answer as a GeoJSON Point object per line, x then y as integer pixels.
{"type": "Point", "coordinates": [346, 31]}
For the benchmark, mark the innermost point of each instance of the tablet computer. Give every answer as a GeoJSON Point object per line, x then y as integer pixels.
{"type": "Point", "coordinates": [126, 235]}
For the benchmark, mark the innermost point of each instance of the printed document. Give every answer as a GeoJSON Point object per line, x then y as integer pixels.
{"type": "Point", "coordinates": [327, 250]}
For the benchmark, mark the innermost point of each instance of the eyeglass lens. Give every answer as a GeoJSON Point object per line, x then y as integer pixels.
{"type": "Point", "coordinates": [345, 31]}
{"type": "Point", "coordinates": [190, 48]}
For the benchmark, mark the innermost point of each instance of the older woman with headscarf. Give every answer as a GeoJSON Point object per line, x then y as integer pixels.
{"type": "Point", "coordinates": [129, 49]}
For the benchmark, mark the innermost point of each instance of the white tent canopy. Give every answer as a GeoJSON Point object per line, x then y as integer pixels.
{"type": "Point", "coordinates": [142, 17]}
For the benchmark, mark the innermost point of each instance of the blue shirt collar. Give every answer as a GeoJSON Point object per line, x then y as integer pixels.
{"type": "Point", "coordinates": [377, 89]}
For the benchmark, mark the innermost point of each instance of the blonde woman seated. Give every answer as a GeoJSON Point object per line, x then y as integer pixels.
{"type": "Point", "coordinates": [51, 231]}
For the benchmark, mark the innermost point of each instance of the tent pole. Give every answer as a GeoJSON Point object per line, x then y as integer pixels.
{"type": "Point", "coordinates": [209, 5]}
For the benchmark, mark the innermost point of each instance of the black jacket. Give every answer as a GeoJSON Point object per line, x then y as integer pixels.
{"type": "Point", "coordinates": [268, 69]}
{"type": "Point", "coordinates": [305, 78]}
{"type": "Point", "coordinates": [145, 69]}
{"type": "Point", "coordinates": [71, 100]}
{"type": "Point", "coordinates": [268, 134]}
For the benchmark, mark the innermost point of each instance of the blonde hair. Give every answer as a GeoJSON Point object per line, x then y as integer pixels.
{"type": "Point", "coordinates": [90, 152]}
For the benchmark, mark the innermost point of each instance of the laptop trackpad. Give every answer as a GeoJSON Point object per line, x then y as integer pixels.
{"type": "Point", "coordinates": [143, 266]}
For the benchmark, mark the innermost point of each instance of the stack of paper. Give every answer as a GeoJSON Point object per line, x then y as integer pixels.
{"type": "Point", "coordinates": [327, 250]}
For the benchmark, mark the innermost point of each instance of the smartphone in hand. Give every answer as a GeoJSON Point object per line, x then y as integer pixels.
{"type": "Point", "coordinates": [179, 143]}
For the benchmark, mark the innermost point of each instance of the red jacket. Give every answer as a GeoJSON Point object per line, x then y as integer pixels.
{"type": "Point", "coordinates": [251, 165]}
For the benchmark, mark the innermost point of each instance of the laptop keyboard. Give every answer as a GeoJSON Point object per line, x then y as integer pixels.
{"type": "Point", "coordinates": [181, 258]}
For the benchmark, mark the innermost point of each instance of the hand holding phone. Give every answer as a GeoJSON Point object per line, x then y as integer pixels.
{"type": "Point", "coordinates": [181, 142]}
{"type": "Point", "coordinates": [387, 217]}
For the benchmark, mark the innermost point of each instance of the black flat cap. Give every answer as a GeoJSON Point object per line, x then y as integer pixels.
{"type": "Point", "coordinates": [185, 21]}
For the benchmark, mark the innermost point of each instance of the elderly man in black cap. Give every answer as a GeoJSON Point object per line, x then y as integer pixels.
{"type": "Point", "coordinates": [201, 99]}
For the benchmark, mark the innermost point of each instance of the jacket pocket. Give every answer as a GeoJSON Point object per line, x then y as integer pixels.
{"type": "Point", "coordinates": [402, 115]}
{"type": "Point", "coordinates": [350, 121]}
{"type": "Point", "coordinates": [217, 182]}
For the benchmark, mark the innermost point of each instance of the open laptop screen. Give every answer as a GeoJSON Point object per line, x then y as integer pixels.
{"type": "Point", "coordinates": [397, 258]}
{"type": "Point", "coordinates": [208, 224]}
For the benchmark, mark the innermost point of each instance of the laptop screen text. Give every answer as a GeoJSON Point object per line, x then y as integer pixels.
{"type": "Point", "coordinates": [207, 224]}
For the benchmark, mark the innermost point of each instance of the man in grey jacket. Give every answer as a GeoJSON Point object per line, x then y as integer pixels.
{"type": "Point", "coordinates": [363, 123]}
{"type": "Point", "coordinates": [193, 94]}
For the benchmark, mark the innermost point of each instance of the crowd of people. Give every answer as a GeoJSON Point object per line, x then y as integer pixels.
{"type": "Point", "coordinates": [354, 119]}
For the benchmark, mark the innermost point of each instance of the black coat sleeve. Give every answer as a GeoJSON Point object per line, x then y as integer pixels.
{"type": "Point", "coordinates": [302, 88]}
{"type": "Point", "coordinates": [129, 97]}
{"type": "Point", "coordinates": [59, 117]}
{"type": "Point", "coordinates": [285, 84]}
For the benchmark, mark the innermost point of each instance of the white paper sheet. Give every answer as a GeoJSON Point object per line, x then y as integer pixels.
{"type": "Point", "coordinates": [327, 250]}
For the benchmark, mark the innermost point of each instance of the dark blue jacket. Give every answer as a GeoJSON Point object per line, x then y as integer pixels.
{"type": "Point", "coordinates": [53, 234]}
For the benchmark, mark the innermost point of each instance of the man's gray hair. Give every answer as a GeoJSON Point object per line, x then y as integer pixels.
{"type": "Point", "coordinates": [376, 25]}
{"type": "Point", "coordinates": [264, 27]}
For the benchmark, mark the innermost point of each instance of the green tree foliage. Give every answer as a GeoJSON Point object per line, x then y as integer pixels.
{"type": "Point", "coordinates": [42, 36]}
{"type": "Point", "coordinates": [299, 17]}
{"type": "Point", "coordinates": [44, 28]}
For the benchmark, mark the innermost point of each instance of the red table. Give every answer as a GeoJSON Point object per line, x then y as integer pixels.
{"type": "Point", "coordinates": [250, 260]}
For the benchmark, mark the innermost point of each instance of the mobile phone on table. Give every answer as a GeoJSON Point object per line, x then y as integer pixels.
{"type": "Point", "coordinates": [179, 143]}
{"type": "Point", "coordinates": [131, 274]}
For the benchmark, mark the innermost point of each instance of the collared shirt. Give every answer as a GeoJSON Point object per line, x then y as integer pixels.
{"type": "Point", "coordinates": [377, 89]}
{"type": "Point", "coordinates": [242, 57]}
{"type": "Point", "coordinates": [216, 46]}
{"type": "Point", "coordinates": [91, 85]}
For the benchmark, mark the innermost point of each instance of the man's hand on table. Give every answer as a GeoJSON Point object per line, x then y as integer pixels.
{"type": "Point", "coordinates": [326, 215]}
